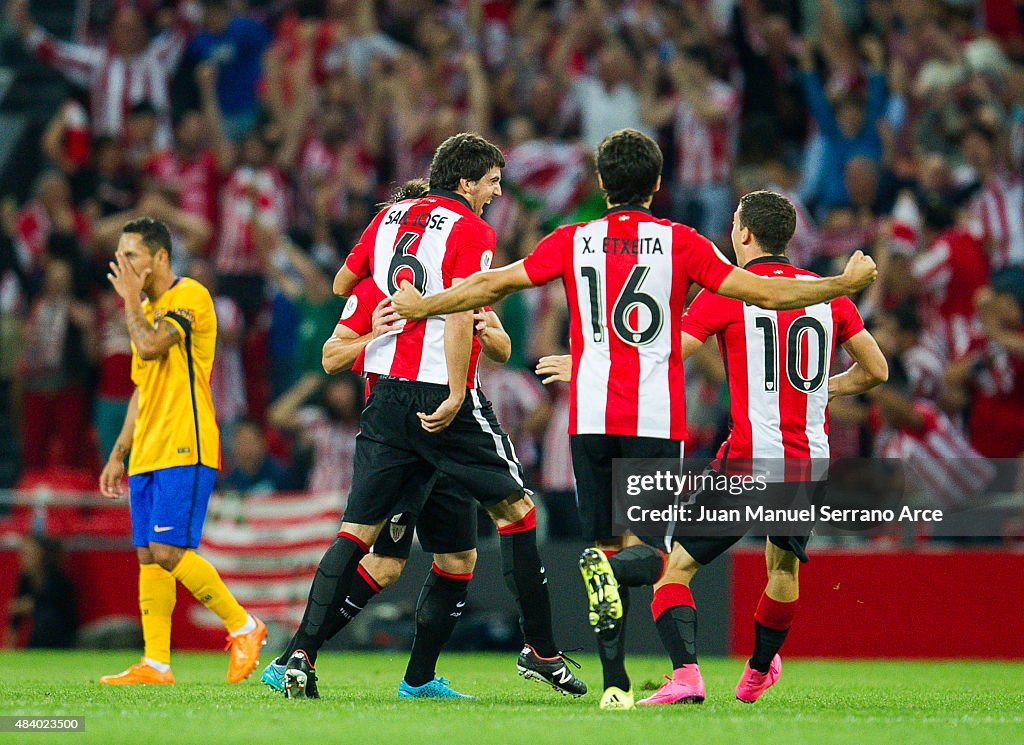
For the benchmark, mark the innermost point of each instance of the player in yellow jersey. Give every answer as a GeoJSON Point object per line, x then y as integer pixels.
{"type": "Point", "coordinates": [172, 435]}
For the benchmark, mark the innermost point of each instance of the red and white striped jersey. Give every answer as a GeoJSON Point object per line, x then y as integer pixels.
{"type": "Point", "coordinates": [778, 365]}
{"type": "Point", "coordinates": [357, 315]}
{"type": "Point", "coordinates": [949, 273]}
{"type": "Point", "coordinates": [193, 180]}
{"type": "Point", "coordinates": [227, 378]}
{"type": "Point", "coordinates": [251, 197]}
{"type": "Point", "coordinates": [430, 241]}
{"type": "Point", "coordinates": [938, 457]}
{"type": "Point", "coordinates": [999, 212]}
{"type": "Point", "coordinates": [117, 83]}
{"type": "Point", "coordinates": [705, 150]}
{"type": "Point", "coordinates": [626, 276]}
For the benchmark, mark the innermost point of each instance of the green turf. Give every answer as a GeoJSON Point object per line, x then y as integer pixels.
{"type": "Point", "coordinates": [815, 702]}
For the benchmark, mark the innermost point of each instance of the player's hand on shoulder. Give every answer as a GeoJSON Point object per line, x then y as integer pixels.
{"type": "Point", "coordinates": [860, 271]}
{"type": "Point", "coordinates": [385, 318]}
{"type": "Point", "coordinates": [407, 302]}
{"type": "Point", "coordinates": [111, 479]}
{"type": "Point", "coordinates": [557, 368]}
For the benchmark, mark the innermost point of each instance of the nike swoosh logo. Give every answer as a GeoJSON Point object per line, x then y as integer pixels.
{"type": "Point", "coordinates": [459, 605]}
{"type": "Point", "coordinates": [158, 529]}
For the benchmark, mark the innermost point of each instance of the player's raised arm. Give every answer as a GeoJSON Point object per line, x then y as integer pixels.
{"type": "Point", "coordinates": [869, 368]}
{"type": "Point", "coordinates": [478, 290]}
{"type": "Point", "coordinates": [788, 293]}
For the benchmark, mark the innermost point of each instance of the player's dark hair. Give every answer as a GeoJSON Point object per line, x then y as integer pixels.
{"type": "Point", "coordinates": [411, 189]}
{"type": "Point", "coordinates": [629, 163]}
{"type": "Point", "coordinates": [770, 217]}
{"type": "Point", "coordinates": [463, 156]}
{"type": "Point", "coordinates": [154, 234]}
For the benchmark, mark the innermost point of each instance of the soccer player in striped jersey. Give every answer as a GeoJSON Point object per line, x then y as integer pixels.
{"type": "Point", "coordinates": [626, 277]}
{"type": "Point", "coordinates": [778, 363]}
{"type": "Point", "coordinates": [171, 432]}
{"type": "Point", "coordinates": [426, 413]}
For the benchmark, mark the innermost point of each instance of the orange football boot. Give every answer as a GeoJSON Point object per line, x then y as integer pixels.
{"type": "Point", "coordinates": [139, 673]}
{"type": "Point", "coordinates": [245, 651]}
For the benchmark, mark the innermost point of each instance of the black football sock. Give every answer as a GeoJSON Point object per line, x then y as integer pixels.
{"type": "Point", "coordinates": [437, 611]}
{"type": "Point", "coordinates": [364, 589]}
{"type": "Point", "coordinates": [675, 617]}
{"type": "Point", "coordinates": [637, 565]}
{"type": "Point", "coordinates": [331, 585]}
{"type": "Point", "coordinates": [612, 649]}
{"type": "Point", "coordinates": [772, 620]}
{"type": "Point", "coordinates": [524, 576]}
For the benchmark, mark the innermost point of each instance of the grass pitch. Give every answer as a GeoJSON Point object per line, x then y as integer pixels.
{"type": "Point", "coordinates": [814, 702]}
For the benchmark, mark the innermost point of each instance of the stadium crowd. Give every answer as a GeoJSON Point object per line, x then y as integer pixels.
{"type": "Point", "coordinates": [265, 135]}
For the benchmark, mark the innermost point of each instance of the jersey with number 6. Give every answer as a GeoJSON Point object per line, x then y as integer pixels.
{"type": "Point", "coordinates": [626, 276]}
{"type": "Point", "coordinates": [430, 241]}
{"type": "Point", "coordinates": [777, 363]}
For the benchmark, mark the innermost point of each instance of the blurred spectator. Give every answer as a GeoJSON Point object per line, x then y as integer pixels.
{"type": "Point", "coordinates": [848, 127]}
{"type": "Point", "coordinates": [999, 206]}
{"type": "Point", "coordinates": [326, 429]}
{"type": "Point", "coordinates": [45, 598]}
{"type": "Point", "coordinates": [50, 213]}
{"type": "Point", "coordinates": [227, 381]}
{"type": "Point", "coordinates": [59, 347]}
{"type": "Point", "coordinates": [235, 44]}
{"type": "Point", "coordinates": [252, 470]}
{"type": "Point", "coordinates": [705, 114]}
{"type": "Point", "coordinates": [114, 387]}
{"type": "Point", "coordinates": [128, 70]}
{"type": "Point", "coordinates": [949, 272]}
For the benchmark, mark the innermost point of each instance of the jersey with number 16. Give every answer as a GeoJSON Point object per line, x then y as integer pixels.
{"type": "Point", "coordinates": [626, 277]}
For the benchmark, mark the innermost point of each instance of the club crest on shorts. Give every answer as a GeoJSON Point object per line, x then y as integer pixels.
{"type": "Point", "coordinates": [395, 528]}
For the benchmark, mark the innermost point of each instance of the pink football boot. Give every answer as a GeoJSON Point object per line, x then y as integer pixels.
{"type": "Point", "coordinates": [686, 686]}
{"type": "Point", "coordinates": [753, 683]}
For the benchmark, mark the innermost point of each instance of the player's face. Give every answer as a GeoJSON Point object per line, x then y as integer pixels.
{"type": "Point", "coordinates": [137, 255]}
{"type": "Point", "coordinates": [480, 193]}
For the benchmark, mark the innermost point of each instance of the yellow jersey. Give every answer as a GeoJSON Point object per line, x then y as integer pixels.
{"type": "Point", "coordinates": [176, 424]}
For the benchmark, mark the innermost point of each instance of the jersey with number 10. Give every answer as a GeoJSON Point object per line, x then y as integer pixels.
{"type": "Point", "coordinates": [778, 365]}
{"type": "Point", "coordinates": [626, 276]}
{"type": "Point", "coordinates": [430, 242]}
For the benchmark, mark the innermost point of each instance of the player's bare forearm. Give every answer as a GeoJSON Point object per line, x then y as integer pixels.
{"type": "Point", "coordinates": [458, 345]}
{"type": "Point", "coordinates": [123, 444]}
{"type": "Point", "coordinates": [788, 293]}
{"type": "Point", "coordinates": [340, 353]}
{"type": "Point", "coordinates": [476, 291]}
{"type": "Point", "coordinates": [344, 281]}
{"type": "Point", "coordinates": [494, 340]}
{"type": "Point", "coordinates": [149, 342]}
{"type": "Point", "coordinates": [852, 382]}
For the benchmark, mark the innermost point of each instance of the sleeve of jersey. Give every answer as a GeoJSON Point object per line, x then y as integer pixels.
{"type": "Point", "coordinates": [848, 320]}
{"type": "Point", "coordinates": [474, 251]}
{"type": "Point", "coordinates": [544, 262]}
{"type": "Point", "coordinates": [192, 310]}
{"type": "Point", "coordinates": [704, 263]}
{"type": "Point", "coordinates": [358, 261]}
{"type": "Point", "coordinates": [358, 313]}
{"type": "Point", "coordinates": [706, 315]}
